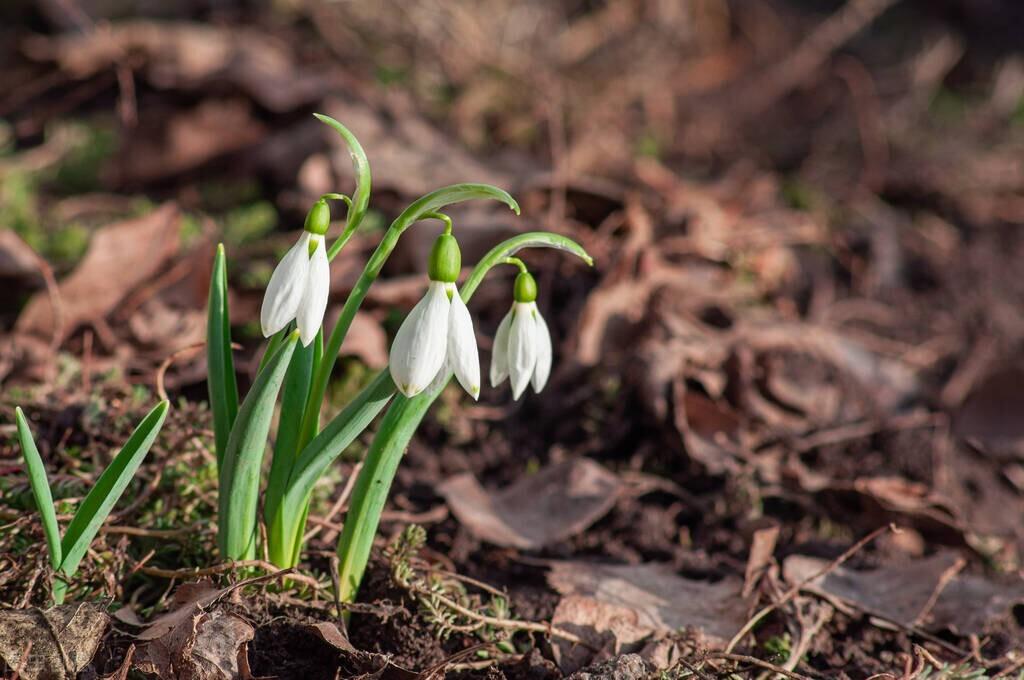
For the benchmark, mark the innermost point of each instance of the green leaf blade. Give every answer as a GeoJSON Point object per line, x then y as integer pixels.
{"type": "Point", "coordinates": [40, 488]}
{"type": "Point", "coordinates": [221, 382]}
{"type": "Point", "coordinates": [240, 475]}
{"type": "Point", "coordinates": [108, 489]}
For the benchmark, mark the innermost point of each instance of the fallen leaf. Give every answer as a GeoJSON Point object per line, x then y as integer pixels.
{"type": "Point", "coordinates": [221, 641]}
{"type": "Point", "coordinates": [550, 506]}
{"type": "Point", "coordinates": [61, 640]}
{"type": "Point", "coordinates": [973, 605]}
{"type": "Point", "coordinates": [626, 604]}
{"type": "Point", "coordinates": [18, 261]}
{"type": "Point", "coordinates": [762, 548]}
{"type": "Point", "coordinates": [990, 415]}
{"type": "Point", "coordinates": [904, 594]}
{"type": "Point", "coordinates": [120, 257]}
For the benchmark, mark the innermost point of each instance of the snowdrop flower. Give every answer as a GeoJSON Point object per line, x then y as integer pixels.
{"type": "Point", "coordinates": [300, 284]}
{"type": "Point", "coordinates": [522, 345]}
{"type": "Point", "coordinates": [437, 336]}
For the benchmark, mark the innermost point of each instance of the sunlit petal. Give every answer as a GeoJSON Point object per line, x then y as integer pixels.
{"type": "Point", "coordinates": [310, 315]}
{"type": "Point", "coordinates": [421, 343]}
{"type": "Point", "coordinates": [463, 357]}
{"type": "Point", "coordinates": [499, 351]}
{"type": "Point", "coordinates": [543, 342]}
{"type": "Point", "coordinates": [286, 287]}
{"type": "Point", "coordinates": [522, 346]}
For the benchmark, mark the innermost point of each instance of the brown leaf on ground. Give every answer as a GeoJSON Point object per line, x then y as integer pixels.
{"type": "Point", "coordinates": [121, 256]}
{"type": "Point", "coordinates": [762, 549]}
{"type": "Point", "coordinates": [188, 56]}
{"type": "Point", "coordinates": [615, 607]}
{"type": "Point", "coordinates": [18, 262]}
{"type": "Point", "coordinates": [51, 644]}
{"type": "Point", "coordinates": [550, 506]}
{"type": "Point", "coordinates": [972, 605]}
{"type": "Point", "coordinates": [202, 646]}
{"type": "Point", "coordinates": [214, 128]}
{"type": "Point", "coordinates": [904, 594]}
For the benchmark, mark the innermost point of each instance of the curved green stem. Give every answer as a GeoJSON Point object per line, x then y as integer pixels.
{"type": "Point", "coordinates": [400, 423]}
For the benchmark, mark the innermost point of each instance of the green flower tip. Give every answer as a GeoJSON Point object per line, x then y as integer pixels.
{"type": "Point", "coordinates": [525, 288]}
{"type": "Point", "coordinates": [318, 219]}
{"type": "Point", "coordinates": [445, 259]}
{"type": "Point", "coordinates": [220, 250]}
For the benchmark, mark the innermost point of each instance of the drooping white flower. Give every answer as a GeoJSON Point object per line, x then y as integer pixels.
{"type": "Point", "coordinates": [438, 335]}
{"type": "Point", "coordinates": [522, 345]}
{"type": "Point", "coordinates": [301, 282]}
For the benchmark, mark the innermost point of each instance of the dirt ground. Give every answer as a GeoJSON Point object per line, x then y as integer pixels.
{"type": "Point", "coordinates": [784, 433]}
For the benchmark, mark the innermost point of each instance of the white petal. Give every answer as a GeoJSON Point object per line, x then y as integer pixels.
{"type": "Point", "coordinates": [462, 353]}
{"type": "Point", "coordinates": [543, 341]}
{"type": "Point", "coordinates": [421, 343]}
{"type": "Point", "coordinates": [287, 284]}
{"type": "Point", "coordinates": [441, 379]}
{"type": "Point", "coordinates": [499, 352]}
{"type": "Point", "coordinates": [310, 315]}
{"type": "Point", "coordinates": [522, 346]}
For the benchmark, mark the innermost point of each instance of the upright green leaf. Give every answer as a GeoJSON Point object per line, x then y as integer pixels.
{"type": "Point", "coordinates": [287, 518]}
{"type": "Point", "coordinates": [108, 488]}
{"type": "Point", "coordinates": [221, 381]}
{"type": "Point", "coordinates": [240, 474]}
{"type": "Point", "coordinates": [40, 488]}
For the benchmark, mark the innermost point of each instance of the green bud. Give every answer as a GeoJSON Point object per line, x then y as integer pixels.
{"type": "Point", "coordinates": [445, 259]}
{"type": "Point", "coordinates": [318, 219]}
{"type": "Point", "coordinates": [525, 289]}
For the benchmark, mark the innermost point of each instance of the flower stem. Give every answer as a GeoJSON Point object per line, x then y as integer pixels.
{"type": "Point", "coordinates": [400, 423]}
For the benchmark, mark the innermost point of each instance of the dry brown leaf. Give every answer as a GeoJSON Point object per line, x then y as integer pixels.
{"type": "Point", "coordinates": [201, 646]}
{"type": "Point", "coordinates": [762, 549]}
{"type": "Point", "coordinates": [550, 506]}
{"type": "Point", "coordinates": [903, 594]}
{"type": "Point", "coordinates": [367, 341]}
{"type": "Point", "coordinates": [973, 605]}
{"type": "Point", "coordinates": [617, 606]}
{"type": "Point", "coordinates": [187, 56]}
{"type": "Point", "coordinates": [120, 257]}
{"type": "Point", "coordinates": [17, 260]}
{"type": "Point", "coordinates": [61, 641]}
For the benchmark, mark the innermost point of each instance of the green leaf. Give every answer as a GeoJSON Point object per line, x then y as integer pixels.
{"type": "Point", "coordinates": [240, 475]}
{"type": "Point", "coordinates": [40, 488]}
{"type": "Point", "coordinates": [361, 197]}
{"type": "Point", "coordinates": [98, 503]}
{"type": "Point", "coordinates": [286, 524]}
{"type": "Point", "coordinates": [221, 381]}
{"type": "Point", "coordinates": [293, 402]}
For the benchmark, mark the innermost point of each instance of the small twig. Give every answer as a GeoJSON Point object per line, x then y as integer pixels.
{"type": "Point", "coordinates": [508, 624]}
{"type": "Point", "coordinates": [792, 592]}
{"type": "Point", "coordinates": [338, 506]}
{"type": "Point", "coordinates": [760, 663]}
{"type": "Point", "coordinates": [161, 372]}
{"type": "Point", "coordinates": [24, 661]}
{"type": "Point", "coordinates": [228, 566]}
{"type": "Point", "coordinates": [150, 533]}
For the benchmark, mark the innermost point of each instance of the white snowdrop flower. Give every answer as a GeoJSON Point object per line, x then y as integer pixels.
{"type": "Point", "coordinates": [437, 336]}
{"type": "Point", "coordinates": [522, 345]}
{"type": "Point", "coordinates": [301, 282]}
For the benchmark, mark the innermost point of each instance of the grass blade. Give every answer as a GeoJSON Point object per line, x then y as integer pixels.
{"type": "Point", "coordinates": [221, 382]}
{"type": "Point", "coordinates": [243, 458]}
{"type": "Point", "coordinates": [40, 488]}
{"type": "Point", "coordinates": [98, 503]}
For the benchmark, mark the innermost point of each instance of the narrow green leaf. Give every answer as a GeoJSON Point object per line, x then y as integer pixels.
{"type": "Point", "coordinates": [286, 524]}
{"type": "Point", "coordinates": [98, 503]}
{"type": "Point", "coordinates": [293, 402]}
{"type": "Point", "coordinates": [221, 381]}
{"type": "Point", "coordinates": [40, 488]}
{"type": "Point", "coordinates": [240, 475]}
{"type": "Point", "coordinates": [361, 196]}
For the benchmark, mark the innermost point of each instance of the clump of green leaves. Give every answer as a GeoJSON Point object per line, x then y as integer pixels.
{"type": "Point", "coordinates": [67, 550]}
